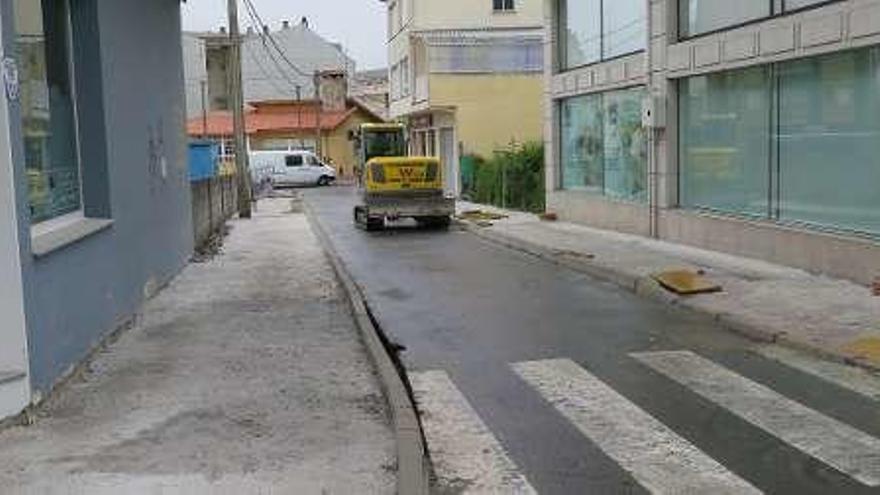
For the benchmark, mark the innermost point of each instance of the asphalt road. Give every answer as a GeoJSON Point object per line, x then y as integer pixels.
{"type": "Point", "coordinates": [536, 378]}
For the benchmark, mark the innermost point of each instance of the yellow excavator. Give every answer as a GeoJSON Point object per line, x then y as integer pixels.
{"type": "Point", "coordinates": [393, 185]}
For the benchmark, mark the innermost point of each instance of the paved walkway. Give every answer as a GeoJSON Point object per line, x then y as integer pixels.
{"type": "Point", "coordinates": [834, 317]}
{"type": "Point", "coordinates": [246, 375]}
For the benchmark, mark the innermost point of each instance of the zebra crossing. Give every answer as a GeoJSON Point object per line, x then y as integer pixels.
{"type": "Point", "coordinates": [661, 461]}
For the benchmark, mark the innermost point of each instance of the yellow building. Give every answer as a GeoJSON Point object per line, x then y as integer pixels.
{"type": "Point", "coordinates": [466, 76]}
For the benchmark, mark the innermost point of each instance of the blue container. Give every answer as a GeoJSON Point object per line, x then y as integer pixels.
{"type": "Point", "coordinates": [202, 160]}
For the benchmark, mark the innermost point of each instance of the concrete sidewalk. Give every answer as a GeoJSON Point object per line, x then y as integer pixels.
{"type": "Point", "coordinates": [246, 375]}
{"type": "Point", "coordinates": [834, 318]}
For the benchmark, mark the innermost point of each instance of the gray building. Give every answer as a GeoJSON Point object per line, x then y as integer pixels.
{"type": "Point", "coordinates": [749, 127]}
{"type": "Point", "coordinates": [266, 75]}
{"type": "Point", "coordinates": [94, 194]}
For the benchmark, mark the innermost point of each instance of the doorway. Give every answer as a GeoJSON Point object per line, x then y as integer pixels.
{"type": "Point", "coordinates": [447, 158]}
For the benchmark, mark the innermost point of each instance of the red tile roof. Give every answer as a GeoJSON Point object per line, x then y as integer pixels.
{"type": "Point", "coordinates": [271, 117]}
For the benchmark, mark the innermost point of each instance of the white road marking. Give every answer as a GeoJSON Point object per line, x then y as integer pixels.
{"type": "Point", "coordinates": [465, 453]}
{"type": "Point", "coordinates": [828, 440]}
{"type": "Point", "coordinates": [658, 459]}
{"type": "Point", "coordinates": [849, 377]}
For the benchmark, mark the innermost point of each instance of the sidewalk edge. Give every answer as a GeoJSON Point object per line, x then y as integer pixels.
{"type": "Point", "coordinates": [412, 460]}
{"type": "Point", "coordinates": [646, 287]}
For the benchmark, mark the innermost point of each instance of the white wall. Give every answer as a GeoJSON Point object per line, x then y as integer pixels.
{"type": "Point", "coordinates": [13, 340]}
{"type": "Point", "coordinates": [468, 14]}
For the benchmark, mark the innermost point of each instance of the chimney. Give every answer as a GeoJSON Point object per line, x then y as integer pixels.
{"type": "Point", "coordinates": [332, 90]}
{"type": "Point", "coordinates": [304, 22]}
{"type": "Point", "coordinates": [222, 29]}
{"type": "Point", "coordinates": [265, 29]}
{"type": "Point", "coordinates": [285, 24]}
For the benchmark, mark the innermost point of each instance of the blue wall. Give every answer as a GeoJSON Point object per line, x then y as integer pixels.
{"type": "Point", "coordinates": [132, 112]}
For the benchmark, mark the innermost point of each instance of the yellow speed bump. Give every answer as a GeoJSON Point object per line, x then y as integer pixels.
{"type": "Point", "coordinates": [686, 282]}
{"type": "Point", "coordinates": [865, 349]}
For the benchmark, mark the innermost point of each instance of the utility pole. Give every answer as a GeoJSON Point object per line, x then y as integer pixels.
{"type": "Point", "coordinates": [203, 84]}
{"type": "Point", "coordinates": [236, 99]}
{"type": "Point", "coordinates": [318, 110]}
{"type": "Point", "coordinates": [299, 116]}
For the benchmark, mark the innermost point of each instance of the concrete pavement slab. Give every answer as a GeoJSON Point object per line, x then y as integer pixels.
{"type": "Point", "coordinates": [245, 375]}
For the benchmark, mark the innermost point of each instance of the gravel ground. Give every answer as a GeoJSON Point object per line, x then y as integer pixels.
{"type": "Point", "coordinates": [246, 375]}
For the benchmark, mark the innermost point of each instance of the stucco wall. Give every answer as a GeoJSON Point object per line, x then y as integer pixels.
{"type": "Point", "coordinates": [214, 201]}
{"type": "Point", "coordinates": [14, 396]}
{"type": "Point", "coordinates": [132, 110]}
{"type": "Point", "coordinates": [340, 149]}
{"type": "Point", "coordinates": [460, 14]}
{"type": "Point", "coordinates": [491, 110]}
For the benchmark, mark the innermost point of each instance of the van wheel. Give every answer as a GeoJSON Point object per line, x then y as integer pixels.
{"type": "Point", "coordinates": [324, 181]}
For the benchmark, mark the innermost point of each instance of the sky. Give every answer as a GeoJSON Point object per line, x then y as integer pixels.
{"type": "Point", "coordinates": [358, 24]}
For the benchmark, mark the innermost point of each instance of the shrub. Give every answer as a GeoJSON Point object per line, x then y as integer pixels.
{"type": "Point", "coordinates": [513, 178]}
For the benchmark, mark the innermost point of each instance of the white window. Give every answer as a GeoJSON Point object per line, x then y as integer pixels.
{"type": "Point", "coordinates": [394, 82]}
{"type": "Point", "coordinates": [392, 16]}
{"type": "Point", "coordinates": [48, 108]}
{"type": "Point", "coordinates": [594, 30]}
{"type": "Point", "coordinates": [499, 56]}
{"type": "Point", "coordinates": [502, 5]}
{"type": "Point", "coordinates": [405, 77]}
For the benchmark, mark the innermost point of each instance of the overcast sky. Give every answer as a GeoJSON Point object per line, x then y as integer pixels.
{"type": "Point", "coordinates": [357, 24]}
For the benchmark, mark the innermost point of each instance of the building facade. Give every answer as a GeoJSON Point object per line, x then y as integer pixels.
{"type": "Point", "coordinates": [465, 75]}
{"type": "Point", "coordinates": [95, 198]}
{"type": "Point", "coordinates": [748, 127]}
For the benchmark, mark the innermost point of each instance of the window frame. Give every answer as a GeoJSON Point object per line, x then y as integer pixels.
{"type": "Point", "coordinates": [47, 225]}
{"type": "Point", "coordinates": [597, 191]}
{"type": "Point", "coordinates": [773, 215]}
{"type": "Point", "coordinates": [507, 6]}
{"type": "Point", "coordinates": [783, 12]}
{"type": "Point", "coordinates": [561, 47]}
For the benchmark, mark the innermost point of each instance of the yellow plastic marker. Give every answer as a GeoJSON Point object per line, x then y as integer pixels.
{"type": "Point", "coordinates": [866, 348]}
{"type": "Point", "coordinates": [686, 282]}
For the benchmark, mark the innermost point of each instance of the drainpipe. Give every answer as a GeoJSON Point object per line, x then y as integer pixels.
{"type": "Point", "coordinates": [653, 172]}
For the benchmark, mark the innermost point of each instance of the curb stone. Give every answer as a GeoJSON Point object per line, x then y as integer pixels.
{"type": "Point", "coordinates": [413, 466]}
{"type": "Point", "coordinates": [647, 288]}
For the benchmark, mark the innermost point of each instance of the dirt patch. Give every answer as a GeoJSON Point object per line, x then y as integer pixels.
{"type": "Point", "coordinates": [212, 247]}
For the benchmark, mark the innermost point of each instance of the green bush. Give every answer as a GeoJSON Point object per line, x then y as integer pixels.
{"type": "Point", "coordinates": [513, 178]}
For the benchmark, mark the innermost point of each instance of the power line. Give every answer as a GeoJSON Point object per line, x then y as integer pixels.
{"type": "Point", "coordinates": [256, 16]}
{"type": "Point", "coordinates": [265, 72]}
{"type": "Point", "coordinates": [258, 27]}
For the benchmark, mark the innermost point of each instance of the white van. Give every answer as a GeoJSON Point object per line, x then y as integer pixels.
{"type": "Point", "coordinates": [290, 168]}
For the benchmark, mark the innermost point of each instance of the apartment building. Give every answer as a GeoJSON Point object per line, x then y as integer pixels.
{"type": "Point", "coordinates": [465, 75]}
{"type": "Point", "coordinates": [748, 127]}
